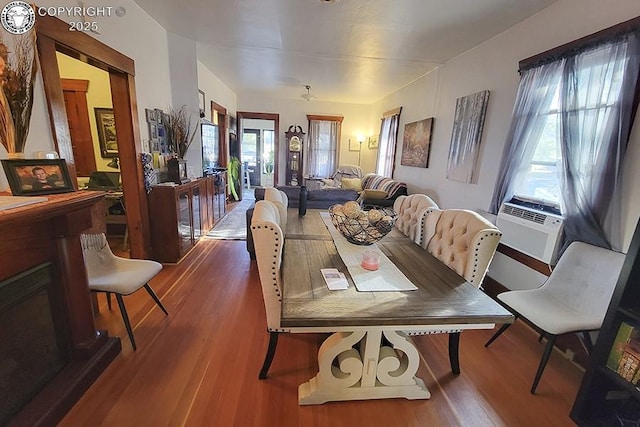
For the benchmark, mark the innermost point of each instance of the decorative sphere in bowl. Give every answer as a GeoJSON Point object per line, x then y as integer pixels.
{"type": "Point", "coordinates": [359, 227]}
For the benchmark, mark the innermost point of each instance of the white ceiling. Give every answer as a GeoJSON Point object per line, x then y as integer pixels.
{"type": "Point", "coordinates": [348, 51]}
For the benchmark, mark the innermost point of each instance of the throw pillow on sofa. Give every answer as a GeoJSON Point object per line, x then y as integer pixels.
{"type": "Point", "coordinates": [352, 184]}
{"type": "Point", "coordinates": [369, 194]}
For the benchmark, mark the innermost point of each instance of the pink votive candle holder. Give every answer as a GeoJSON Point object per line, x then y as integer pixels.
{"type": "Point", "coordinates": [370, 260]}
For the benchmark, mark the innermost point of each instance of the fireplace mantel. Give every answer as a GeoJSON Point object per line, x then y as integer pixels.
{"type": "Point", "coordinates": [50, 232]}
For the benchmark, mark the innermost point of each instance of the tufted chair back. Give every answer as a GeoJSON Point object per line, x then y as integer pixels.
{"type": "Point", "coordinates": [280, 199]}
{"type": "Point", "coordinates": [461, 239]}
{"type": "Point", "coordinates": [268, 239]}
{"type": "Point", "coordinates": [410, 210]}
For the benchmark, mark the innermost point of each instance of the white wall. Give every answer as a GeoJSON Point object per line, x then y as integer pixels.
{"type": "Point", "coordinates": [151, 56]}
{"type": "Point", "coordinates": [183, 67]}
{"type": "Point", "coordinates": [357, 121]}
{"type": "Point", "coordinates": [215, 90]}
{"type": "Point", "coordinates": [493, 66]}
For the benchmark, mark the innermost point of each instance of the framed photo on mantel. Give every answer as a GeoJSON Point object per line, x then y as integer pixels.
{"type": "Point", "coordinates": [31, 177]}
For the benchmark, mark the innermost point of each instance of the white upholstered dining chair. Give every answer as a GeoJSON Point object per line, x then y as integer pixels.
{"type": "Point", "coordinates": [280, 199]}
{"type": "Point", "coordinates": [268, 239]}
{"type": "Point", "coordinates": [465, 242]}
{"type": "Point", "coordinates": [109, 273]}
{"type": "Point", "coordinates": [410, 210]}
{"type": "Point", "coordinates": [574, 298]}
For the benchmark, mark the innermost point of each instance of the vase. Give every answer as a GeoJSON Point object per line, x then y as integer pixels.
{"type": "Point", "coordinates": [15, 156]}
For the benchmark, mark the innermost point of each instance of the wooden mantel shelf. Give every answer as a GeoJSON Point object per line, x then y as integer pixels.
{"type": "Point", "coordinates": [49, 232]}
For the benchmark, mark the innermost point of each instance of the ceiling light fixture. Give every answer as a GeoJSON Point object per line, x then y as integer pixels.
{"type": "Point", "coordinates": [307, 95]}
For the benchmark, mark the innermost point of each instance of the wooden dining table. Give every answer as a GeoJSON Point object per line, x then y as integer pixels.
{"type": "Point", "coordinates": [370, 354]}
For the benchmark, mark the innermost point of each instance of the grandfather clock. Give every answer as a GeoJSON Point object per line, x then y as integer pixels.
{"type": "Point", "coordinates": [295, 139]}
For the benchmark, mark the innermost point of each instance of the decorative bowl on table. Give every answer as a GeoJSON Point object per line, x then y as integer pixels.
{"type": "Point", "coordinates": [360, 227]}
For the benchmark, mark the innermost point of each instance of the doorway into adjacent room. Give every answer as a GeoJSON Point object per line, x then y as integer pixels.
{"type": "Point", "coordinates": [259, 147]}
{"type": "Point", "coordinates": [54, 38]}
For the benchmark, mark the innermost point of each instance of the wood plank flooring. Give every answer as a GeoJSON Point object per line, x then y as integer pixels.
{"type": "Point", "coordinates": [199, 366]}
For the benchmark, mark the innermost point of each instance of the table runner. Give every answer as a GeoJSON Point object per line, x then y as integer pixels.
{"type": "Point", "coordinates": [387, 278]}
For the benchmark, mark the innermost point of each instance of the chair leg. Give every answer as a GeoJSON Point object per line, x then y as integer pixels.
{"type": "Point", "coordinates": [108, 295]}
{"type": "Point", "coordinates": [551, 339]}
{"type": "Point", "coordinates": [454, 350]}
{"type": "Point", "coordinates": [498, 333]}
{"type": "Point", "coordinates": [588, 342]}
{"type": "Point", "coordinates": [125, 318]}
{"type": "Point", "coordinates": [155, 298]}
{"type": "Point", "coordinates": [268, 358]}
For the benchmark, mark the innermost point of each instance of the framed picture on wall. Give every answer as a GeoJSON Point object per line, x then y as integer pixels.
{"type": "Point", "coordinates": [354, 145]}
{"type": "Point", "coordinates": [201, 102]}
{"type": "Point", "coordinates": [373, 143]}
{"type": "Point", "coordinates": [106, 132]}
{"type": "Point", "coordinates": [150, 114]}
{"type": "Point", "coordinates": [416, 143]}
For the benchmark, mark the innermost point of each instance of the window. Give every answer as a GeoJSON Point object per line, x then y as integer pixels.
{"type": "Point", "coordinates": [597, 90]}
{"type": "Point", "coordinates": [322, 155]}
{"type": "Point", "coordinates": [569, 133]}
{"type": "Point", "coordinates": [540, 178]}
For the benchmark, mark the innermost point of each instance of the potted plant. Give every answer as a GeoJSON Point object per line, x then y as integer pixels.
{"type": "Point", "coordinates": [17, 77]}
{"type": "Point", "coordinates": [234, 177]}
{"type": "Point", "coordinates": [178, 128]}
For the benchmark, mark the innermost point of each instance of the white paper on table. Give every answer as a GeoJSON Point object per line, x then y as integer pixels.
{"type": "Point", "coordinates": [335, 280]}
{"type": "Point", "coordinates": [387, 278]}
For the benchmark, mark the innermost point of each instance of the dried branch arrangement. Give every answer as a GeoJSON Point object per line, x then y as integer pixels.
{"type": "Point", "coordinates": [179, 135]}
{"type": "Point", "coordinates": [17, 77]}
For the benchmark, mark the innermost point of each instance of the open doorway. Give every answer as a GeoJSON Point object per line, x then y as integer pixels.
{"type": "Point", "coordinates": [54, 36]}
{"type": "Point", "coordinates": [258, 152]}
{"type": "Point", "coordinates": [259, 142]}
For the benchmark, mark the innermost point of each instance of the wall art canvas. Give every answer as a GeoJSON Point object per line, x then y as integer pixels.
{"type": "Point", "coordinates": [416, 143]}
{"type": "Point", "coordinates": [467, 134]}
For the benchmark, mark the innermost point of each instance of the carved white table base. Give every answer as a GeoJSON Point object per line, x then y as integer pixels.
{"type": "Point", "coordinates": [371, 370]}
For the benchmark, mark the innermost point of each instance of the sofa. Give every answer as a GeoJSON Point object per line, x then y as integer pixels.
{"type": "Point", "coordinates": [316, 199]}
{"type": "Point", "coordinates": [378, 190]}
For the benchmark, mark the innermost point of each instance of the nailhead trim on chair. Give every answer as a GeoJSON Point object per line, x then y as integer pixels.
{"type": "Point", "coordinates": [273, 269]}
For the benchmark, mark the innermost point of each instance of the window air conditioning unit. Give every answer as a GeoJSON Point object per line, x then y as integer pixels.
{"type": "Point", "coordinates": [530, 231]}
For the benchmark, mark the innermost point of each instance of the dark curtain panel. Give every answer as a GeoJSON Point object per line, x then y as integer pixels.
{"type": "Point", "coordinates": [387, 143]}
{"type": "Point", "coordinates": [597, 111]}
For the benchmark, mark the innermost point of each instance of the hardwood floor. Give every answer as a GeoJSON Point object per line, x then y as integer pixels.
{"type": "Point", "coordinates": [199, 366]}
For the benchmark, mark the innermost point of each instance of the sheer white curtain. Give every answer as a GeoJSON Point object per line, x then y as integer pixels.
{"type": "Point", "coordinates": [323, 148]}
{"type": "Point", "coordinates": [528, 119]}
{"type": "Point", "coordinates": [596, 89]}
{"type": "Point", "coordinates": [387, 143]}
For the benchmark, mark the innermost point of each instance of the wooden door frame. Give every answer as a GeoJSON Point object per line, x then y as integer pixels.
{"type": "Point", "coordinates": [223, 155]}
{"type": "Point", "coordinates": [53, 36]}
{"type": "Point", "coordinates": [276, 132]}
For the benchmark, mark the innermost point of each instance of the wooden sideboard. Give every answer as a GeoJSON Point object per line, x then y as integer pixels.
{"type": "Point", "coordinates": [181, 214]}
{"type": "Point", "coordinates": [45, 309]}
